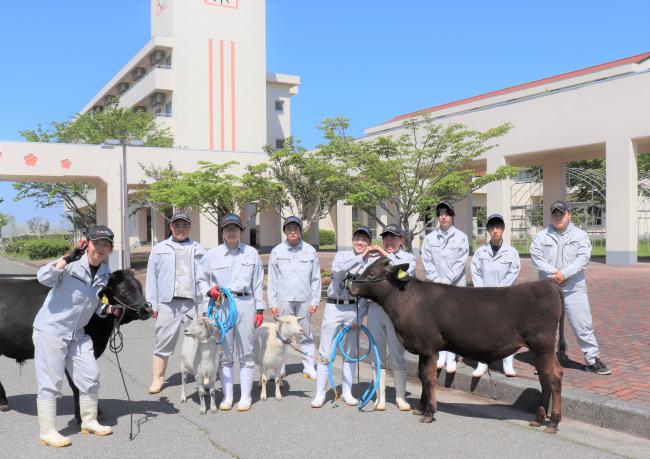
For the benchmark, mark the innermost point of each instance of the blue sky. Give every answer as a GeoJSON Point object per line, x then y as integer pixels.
{"type": "Point", "coordinates": [366, 60]}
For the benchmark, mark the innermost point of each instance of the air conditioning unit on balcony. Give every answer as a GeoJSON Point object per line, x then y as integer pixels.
{"type": "Point", "coordinates": [137, 73]}
{"type": "Point", "coordinates": [109, 99]}
{"type": "Point", "coordinates": [157, 98]}
{"type": "Point", "coordinates": [156, 57]}
{"type": "Point", "coordinates": [122, 87]}
{"type": "Point", "coordinates": [140, 108]}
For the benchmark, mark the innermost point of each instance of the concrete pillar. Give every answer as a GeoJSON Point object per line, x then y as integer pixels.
{"type": "Point", "coordinates": [416, 243]}
{"type": "Point", "coordinates": [270, 230]}
{"type": "Point", "coordinates": [463, 219]}
{"type": "Point", "coordinates": [343, 226]}
{"type": "Point", "coordinates": [554, 185]}
{"type": "Point", "coordinates": [498, 195]}
{"type": "Point", "coordinates": [109, 205]}
{"type": "Point", "coordinates": [621, 203]}
{"type": "Point", "coordinates": [141, 223]}
{"type": "Point", "coordinates": [209, 232]}
{"type": "Point", "coordinates": [159, 224]}
{"type": "Point", "coordinates": [313, 235]}
{"type": "Point", "coordinates": [246, 232]}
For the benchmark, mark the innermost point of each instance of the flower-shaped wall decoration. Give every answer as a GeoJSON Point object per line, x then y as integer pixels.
{"type": "Point", "coordinates": [31, 159]}
{"type": "Point", "coordinates": [66, 163]}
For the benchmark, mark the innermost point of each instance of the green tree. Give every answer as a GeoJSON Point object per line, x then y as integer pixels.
{"type": "Point", "coordinates": [407, 176]}
{"type": "Point", "coordinates": [114, 122]}
{"type": "Point", "coordinates": [4, 221]}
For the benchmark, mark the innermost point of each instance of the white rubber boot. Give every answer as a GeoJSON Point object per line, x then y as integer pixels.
{"type": "Point", "coordinates": [308, 370]}
{"type": "Point", "coordinates": [322, 376]}
{"type": "Point", "coordinates": [349, 369]}
{"type": "Point", "coordinates": [508, 368]}
{"type": "Point", "coordinates": [380, 404]}
{"type": "Point", "coordinates": [245, 384]}
{"type": "Point", "coordinates": [451, 362]}
{"type": "Point", "coordinates": [88, 411]}
{"type": "Point", "coordinates": [400, 390]}
{"type": "Point", "coordinates": [442, 358]}
{"type": "Point", "coordinates": [225, 374]}
{"type": "Point", "coordinates": [159, 368]}
{"type": "Point", "coordinates": [47, 422]}
{"type": "Point", "coordinates": [480, 370]}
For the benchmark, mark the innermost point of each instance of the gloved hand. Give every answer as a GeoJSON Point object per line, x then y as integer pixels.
{"type": "Point", "coordinates": [76, 253]}
{"type": "Point", "coordinates": [259, 318]}
{"type": "Point", "coordinates": [214, 292]}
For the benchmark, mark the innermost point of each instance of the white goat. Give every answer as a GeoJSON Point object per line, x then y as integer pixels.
{"type": "Point", "coordinates": [270, 350]}
{"type": "Point", "coordinates": [201, 358]}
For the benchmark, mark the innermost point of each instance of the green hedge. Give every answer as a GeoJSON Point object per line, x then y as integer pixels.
{"type": "Point", "coordinates": [37, 249]}
{"type": "Point", "coordinates": [326, 237]}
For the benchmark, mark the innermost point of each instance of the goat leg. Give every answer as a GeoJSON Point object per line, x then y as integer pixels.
{"type": "Point", "coordinates": [278, 388]}
{"type": "Point", "coordinates": [202, 410]}
{"type": "Point", "coordinates": [263, 380]}
{"type": "Point", "coordinates": [183, 381]}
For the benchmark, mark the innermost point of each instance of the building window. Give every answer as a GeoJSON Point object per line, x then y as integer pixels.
{"type": "Point", "coordinates": [279, 106]}
{"type": "Point", "coordinates": [279, 143]}
{"type": "Point", "coordinates": [168, 108]}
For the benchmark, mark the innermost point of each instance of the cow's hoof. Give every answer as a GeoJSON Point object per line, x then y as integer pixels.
{"type": "Point", "coordinates": [427, 419]}
{"type": "Point", "coordinates": [551, 428]}
{"type": "Point", "coordinates": [535, 423]}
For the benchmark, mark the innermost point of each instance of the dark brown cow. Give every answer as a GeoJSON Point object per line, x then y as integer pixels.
{"type": "Point", "coordinates": [484, 324]}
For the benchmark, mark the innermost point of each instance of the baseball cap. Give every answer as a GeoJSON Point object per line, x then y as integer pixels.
{"type": "Point", "coordinates": [562, 206]}
{"type": "Point", "coordinates": [494, 218]}
{"type": "Point", "coordinates": [392, 229]}
{"type": "Point", "coordinates": [445, 205]}
{"type": "Point", "coordinates": [100, 232]}
{"type": "Point", "coordinates": [292, 219]}
{"type": "Point", "coordinates": [180, 216]}
{"type": "Point", "coordinates": [231, 219]}
{"type": "Point", "coordinates": [363, 229]}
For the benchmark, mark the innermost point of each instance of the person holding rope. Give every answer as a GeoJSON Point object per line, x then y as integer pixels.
{"type": "Point", "coordinates": [444, 256]}
{"type": "Point", "coordinates": [342, 309]}
{"type": "Point", "coordinates": [382, 328]}
{"type": "Point", "coordinates": [237, 267]}
{"type": "Point", "coordinates": [294, 286]}
{"type": "Point", "coordinates": [495, 264]}
{"type": "Point", "coordinates": [60, 342]}
{"type": "Point", "coordinates": [176, 285]}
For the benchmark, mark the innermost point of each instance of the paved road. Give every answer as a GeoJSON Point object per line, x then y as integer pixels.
{"type": "Point", "coordinates": [466, 426]}
{"type": "Point", "coordinates": [12, 267]}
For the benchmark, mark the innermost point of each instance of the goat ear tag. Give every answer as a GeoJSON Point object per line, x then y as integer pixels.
{"type": "Point", "coordinates": [401, 274]}
{"type": "Point", "coordinates": [104, 299]}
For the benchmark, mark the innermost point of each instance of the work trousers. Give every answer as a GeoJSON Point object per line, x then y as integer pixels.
{"type": "Point", "coordinates": [240, 339]}
{"type": "Point", "coordinates": [335, 317]}
{"type": "Point", "coordinates": [172, 317]}
{"type": "Point", "coordinates": [578, 312]}
{"type": "Point", "coordinates": [383, 332]}
{"type": "Point", "coordinates": [54, 355]}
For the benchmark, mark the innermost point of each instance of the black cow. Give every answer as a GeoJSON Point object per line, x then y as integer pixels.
{"type": "Point", "coordinates": [484, 324]}
{"type": "Point", "coordinates": [21, 299]}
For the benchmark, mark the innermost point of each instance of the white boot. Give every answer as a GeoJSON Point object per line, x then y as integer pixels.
{"type": "Point", "coordinates": [158, 380]}
{"type": "Point", "coordinates": [380, 404]}
{"type": "Point", "coordinates": [225, 374]}
{"type": "Point", "coordinates": [349, 369]}
{"type": "Point", "coordinates": [322, 376]}
{"type": "Point", "coordinates": [451, 362]}
{"type": "Point", "coordinates": [442, 358]}
{"type": "Point", "coordinates": [508, 369]}
{"type": "Point", "coordinates": [88, 410]}
{"type": "Point", "coordinates": [308, 370]}
{"type": "Point", "coordinates": [480, 370]}
{"type": "Point", "coordinates": [400, 390]}
{"type": "Point", "coordinates": [245, 384]}
{"type": "Point", "coordinates": [47, 421]}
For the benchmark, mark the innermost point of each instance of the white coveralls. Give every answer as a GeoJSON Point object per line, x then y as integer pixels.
{"type": "Point", "coordinates": [294, 283]}
{"type": "Point", "coordinates": [500, 270]}
{"type": "Point", "coordinates": [240, 271]}
{"type": "Point", "coordinates": [569, 252]}
{"type": "Point", "coordinates": [176, 287]}
{"type": "Point", "coordinates": [60, 342]}
{"type": "Point", "coordinates": [444, 256]}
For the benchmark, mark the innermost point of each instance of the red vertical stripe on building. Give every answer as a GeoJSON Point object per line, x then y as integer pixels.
{"type": "Point", "coordinates": [211, 93]}
{"type": "Point", "coordinates": [221, 101]}
{"type": "Point", "coordinates": [232, 94]}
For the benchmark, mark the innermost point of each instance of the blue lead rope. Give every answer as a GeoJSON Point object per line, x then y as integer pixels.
{"type": "Point", "coordinates": [215, 313]}
{"type": "Point", "coordinates": [371, 389]}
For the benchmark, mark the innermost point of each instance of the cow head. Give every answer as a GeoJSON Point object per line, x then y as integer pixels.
{"type": "Point", "coordinates": [377, 277]}
{"type": "Point", "coordinates": [124, 290]}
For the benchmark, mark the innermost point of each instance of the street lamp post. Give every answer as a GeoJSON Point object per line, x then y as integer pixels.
{"type": "Point", "coordinates": [124, 194]}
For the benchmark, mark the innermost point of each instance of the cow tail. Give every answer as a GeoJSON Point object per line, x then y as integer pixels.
{"type": "Point", "coordinates": [562, 341]}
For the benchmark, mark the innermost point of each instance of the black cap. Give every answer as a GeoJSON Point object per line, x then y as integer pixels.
{"type": "Point", "coordinates": [100, 232]}
{"type": "Point", "coordinates": [445, 205]}
{"type": "Point", "coordinates": [363, 229]}
{"type": "Point", "coordinates": [231, 219]}
{"type": "Point", "coordinates": [180, 216]}
{"type": "Point", "coordinates": [392, 229]}
{"type": "Point", "coordinates": [292, 219]}
{"type": "Point", "coordinates": [562, 206]}
{"type": "Point", "coordinates": [494, 218]}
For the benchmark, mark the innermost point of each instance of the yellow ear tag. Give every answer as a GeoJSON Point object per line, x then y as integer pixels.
{"type": "Point", "coordinates": [104, 299]}
{"type": "Point", "coordinates": [401, 274]}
